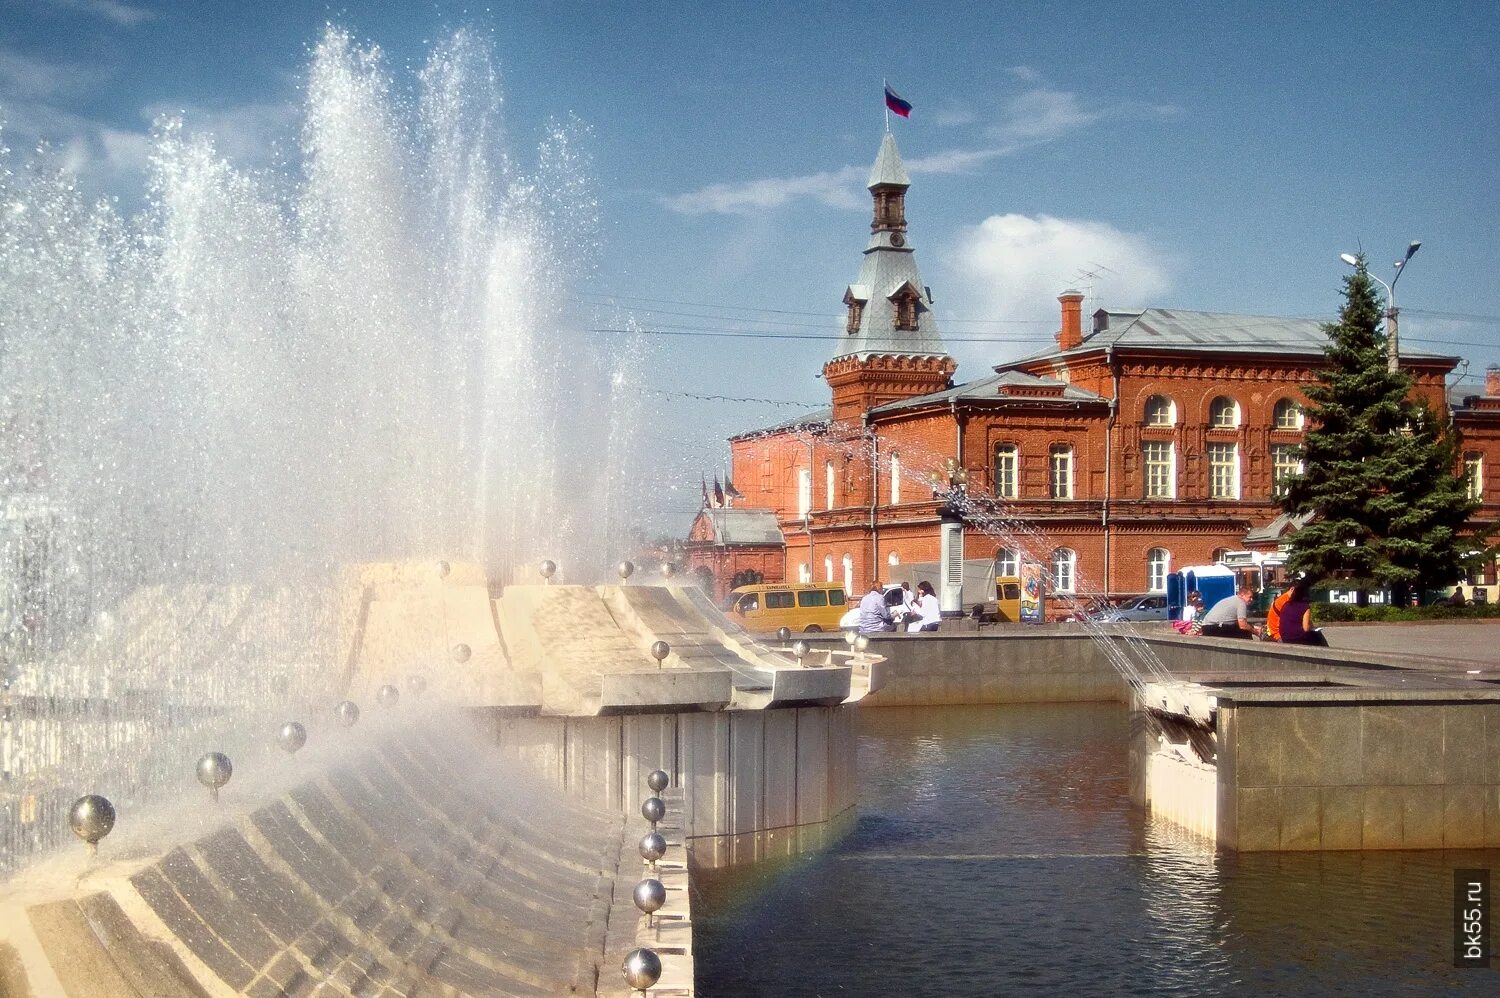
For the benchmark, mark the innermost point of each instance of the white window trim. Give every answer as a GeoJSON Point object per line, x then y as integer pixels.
{"type": "Point", "coordinates": [1166, 570]}
{"type": "Point", "coordinates": [1070, 490]}
{"type": "Point", "coordinates": [1008, 562]}
{"type": "Point", "coordinates": [804, 493]}
{"type": "Point", "coordinates": [895, 479]}
{"type": "Point", "coordinates": [828, 483]}
{"type": "Point", "coordinates": [848, 573]}
{"type": "Point", "coordinates": [828, 568]}
{"type": "Point", "coordinates": [804, 573]}
{"type": "Point", "coordinates": [1015, 470]}
{"type": "Point", "coordinates": [1234, 470]}
{"type": "Point", "coordinates": [1171, 469]}
{"type": "Point", "coordinates": [1058, 573]}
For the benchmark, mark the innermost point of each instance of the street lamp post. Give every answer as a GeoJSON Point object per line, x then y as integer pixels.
{"type": "Point", "coordinates": [1392, 350]}
{"type": "Point", "coordinates": [951, 482]}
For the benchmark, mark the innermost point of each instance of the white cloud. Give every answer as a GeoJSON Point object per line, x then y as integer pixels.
{"type": "Point", "coordinates": [24, 78]}
{"type": "Point", "coordinates": [123, 14]}
{"type": "Point", "coordinates": [953, 115]}
{"type": "Point", "coordinates": [833, 187]}
{"type": "Point", "coordinates": [1024, 73]}
{"type": "Point", "coordinates": [1013, 267]}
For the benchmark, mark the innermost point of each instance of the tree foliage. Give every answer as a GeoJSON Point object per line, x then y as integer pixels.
{"type": "Point", "coordinates": [1379, 467]}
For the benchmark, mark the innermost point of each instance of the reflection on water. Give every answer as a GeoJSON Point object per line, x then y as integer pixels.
{"type": "Point", "coordinates": [996, 851]}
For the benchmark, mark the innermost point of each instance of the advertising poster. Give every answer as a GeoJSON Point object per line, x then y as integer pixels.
{"type": "Point", "coordinates": [1031, 593]}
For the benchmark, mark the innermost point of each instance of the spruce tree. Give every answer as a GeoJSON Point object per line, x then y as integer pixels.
{"type": "Point", "coordinates": [1379, 469]}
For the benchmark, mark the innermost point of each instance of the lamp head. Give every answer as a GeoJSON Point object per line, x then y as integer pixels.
{"type": "Point", "coordinates": [1411, 250]}
{"type": "Point", "coordinates": [1350, 259]}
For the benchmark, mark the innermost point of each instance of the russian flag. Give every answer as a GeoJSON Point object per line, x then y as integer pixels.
{"type": "Point", "coordinates": [893, 102]}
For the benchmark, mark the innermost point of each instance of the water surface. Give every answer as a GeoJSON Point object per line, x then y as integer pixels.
{"type": "Point", "coordinates": [996, 852]}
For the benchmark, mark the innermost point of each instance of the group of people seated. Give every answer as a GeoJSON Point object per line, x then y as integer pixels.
{"type": "Point", "coordinates": [1289, 620]}
{"type": "Point", "coordinates": [913, 611]}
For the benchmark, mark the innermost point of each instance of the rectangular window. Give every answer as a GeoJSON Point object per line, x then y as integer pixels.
{"type": "Point", "coordinates": [1061, 478]}
{"type": "Point", "coordinates": [778, 600]}
{"type": "Point", "coordinates": [895, 479]}
{"type": "Point", "coordinates": [1223, 471]}
{"type": "Point", "coordinates": [835, 597]}
{"type": "Point", "coordinates": [1006, 459]}
{"type": "Point", "coordinates": [1474, 475]}
{"type": "Point", "coordinates": [804, 492]}
{"type": "Point", "coordinates": [804, 572]}
{"type": "Point", "coordinates": [1286, 463]}
{"type": "Point", "coordinates": [813, 597]}
{"type": "Point", "coordinates": [1007, 563]}
{"type": "Point", "coordinates": [828, 483]}
{"type": "Point", "coordinates": [1157, 457]}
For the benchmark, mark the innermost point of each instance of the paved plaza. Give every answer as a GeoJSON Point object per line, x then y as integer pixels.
{"type": "Point", "coordinates": [1474, 644]}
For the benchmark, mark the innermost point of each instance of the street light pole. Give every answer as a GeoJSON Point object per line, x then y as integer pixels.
{"type": "Point", "coordinates": [1392, 348]}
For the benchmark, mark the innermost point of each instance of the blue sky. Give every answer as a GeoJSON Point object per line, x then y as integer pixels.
{"type": "Point", "coordinates": [1185, 155]}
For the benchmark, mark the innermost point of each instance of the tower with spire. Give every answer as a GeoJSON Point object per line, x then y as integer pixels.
{"type": "Point", "coordinates": [891, 348]}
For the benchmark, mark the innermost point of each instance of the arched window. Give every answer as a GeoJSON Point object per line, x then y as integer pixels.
{"type": "Point", "coordinates": [1160, 411]}
{"type": "Point", "coordinates": [804, 572]}
{"type": "Point", "coordinates": [804, 493]}
{"type": "Point", "coordinates": [1223, 413]}
{"type": "Point", "coordinates": [828, 568]}
{"type": "Point", "coordinates": [1007, 563]}
{"type": "Point", "coordinates": [895, 479]}
{"type": "Point", "coordinates": [848, 573]}
{"type": "Point", "coordinates": [1064, 569]}
{"type": "Point", "coordinates": [1007, 468]}
{"type": "Point", "coordinates": [893, 559]}
{"type": "Point", "coordinates": [828, 483]}
{"type": "Point", "coordinates": [1287, 415]}
{"type": "Point", "coordinates": [1158, 562]}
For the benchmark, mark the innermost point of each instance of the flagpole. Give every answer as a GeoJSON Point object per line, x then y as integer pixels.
{"type": "Point", "coordinates": [885, 84]}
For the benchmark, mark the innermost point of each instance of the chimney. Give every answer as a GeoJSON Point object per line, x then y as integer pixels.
{"type": "Point", "coordinates": [1071, 334]}
{"type": "Point", "coordinates": [1492, 381]}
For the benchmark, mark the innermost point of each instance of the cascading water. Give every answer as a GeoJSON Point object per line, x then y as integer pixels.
{"type": "Point", "coordinates": [210, 407]}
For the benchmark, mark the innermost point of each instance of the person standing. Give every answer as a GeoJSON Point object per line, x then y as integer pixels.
{"type": "Point", "coordinates": [874, 615]}
{"type": "Point", "coordinates": [1229, 618]}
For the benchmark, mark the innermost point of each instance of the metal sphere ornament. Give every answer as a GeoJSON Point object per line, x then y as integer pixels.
{"type": "Point", "coordinates": [862, 643]}
{"type": "Point", "coordinates": [443, 568]}
{"type": "Point", "coordinates": [653, 846]}
{"type": "Point", "coordinates": [650, 895]}
{"type": "Point", "coordinates": [653, 810]}
{"type": "Point", "coordinates": [658, 780]}
{"type": "Point", "coordinates": [783, 634]}
{"type": "Point", "coordinates": [291, 737]}
{"type": "Point", "coordinates": [214, 770]}
{"type": "Point", "coordinates": [548, 569]}
{"type": "Point", "coordinates": [660, 650]}
{"type": "Point", "coordinates": [462, 653]}
{"type": "Point", "coordinates": [416, 685]}
{"type": "Point", "coordinates": [347, 713]}
{"type": "Point", "coordinates": [91, 818]}
{"type": "Point", "coordinates": [388, 696]}
{"type": "Point", "coordinates": [800, 648]}
{"type": "Point", "coordinates": [626, 569]}
{"type": "Point", "coordinates": [642, 968]}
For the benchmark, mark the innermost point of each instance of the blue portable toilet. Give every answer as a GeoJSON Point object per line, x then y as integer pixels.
{"type": "Point", "coordinates": [1213, 582]}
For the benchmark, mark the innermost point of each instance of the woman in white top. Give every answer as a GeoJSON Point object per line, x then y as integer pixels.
{"type": "Point", "coordinates": [927, 606]}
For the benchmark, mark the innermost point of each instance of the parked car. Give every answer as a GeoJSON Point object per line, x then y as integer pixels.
{"type": "Point", "coordinates": [1150, 607]}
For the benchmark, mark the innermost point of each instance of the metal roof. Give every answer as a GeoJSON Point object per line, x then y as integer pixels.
{"type": "Point", "coordinates": [1273, 530]}
{"type": "Point", "coordinates": [887, 268]}
{"type": "Point", "coordinates": [888, 168]}
{"type": "Point", "coordinates": [744, 526]}
{"type": "Point", "coordinates": [1217, 332]}
{"type": "Point", "coordinates": [990, 389]}
{"type": "Point", "coordinates": [816, 418]}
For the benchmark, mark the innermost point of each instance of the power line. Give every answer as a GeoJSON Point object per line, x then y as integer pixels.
{"type": "Point", "coordinates": [728, 398]}
{"type": "Point", "coordinates": [832, 317]}
{"type": "Point", "coordinates": [703, 331]}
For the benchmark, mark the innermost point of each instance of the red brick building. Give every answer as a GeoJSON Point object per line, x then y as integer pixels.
{"type": "Point", "coordinates": [1138, 443]}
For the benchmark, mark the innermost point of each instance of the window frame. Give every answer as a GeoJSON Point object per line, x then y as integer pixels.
{"type": "Point", "coordinates": [1233, 412]}
{"type": "Point", "coordinates": [1214, 467]}
{"type": "Point", "coordinates": [1013, 451]}
{"type": "Point", "coordinates": [1054, 453]}
{"type": "Point", "coordinates": [1062, 557]}
{"type": "Point", "coordinates": [1171, 412]}
{"type": "Point", "coordinates": [1163, 565]}
{"type": "Point", "coordinates": [1168, 468]}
